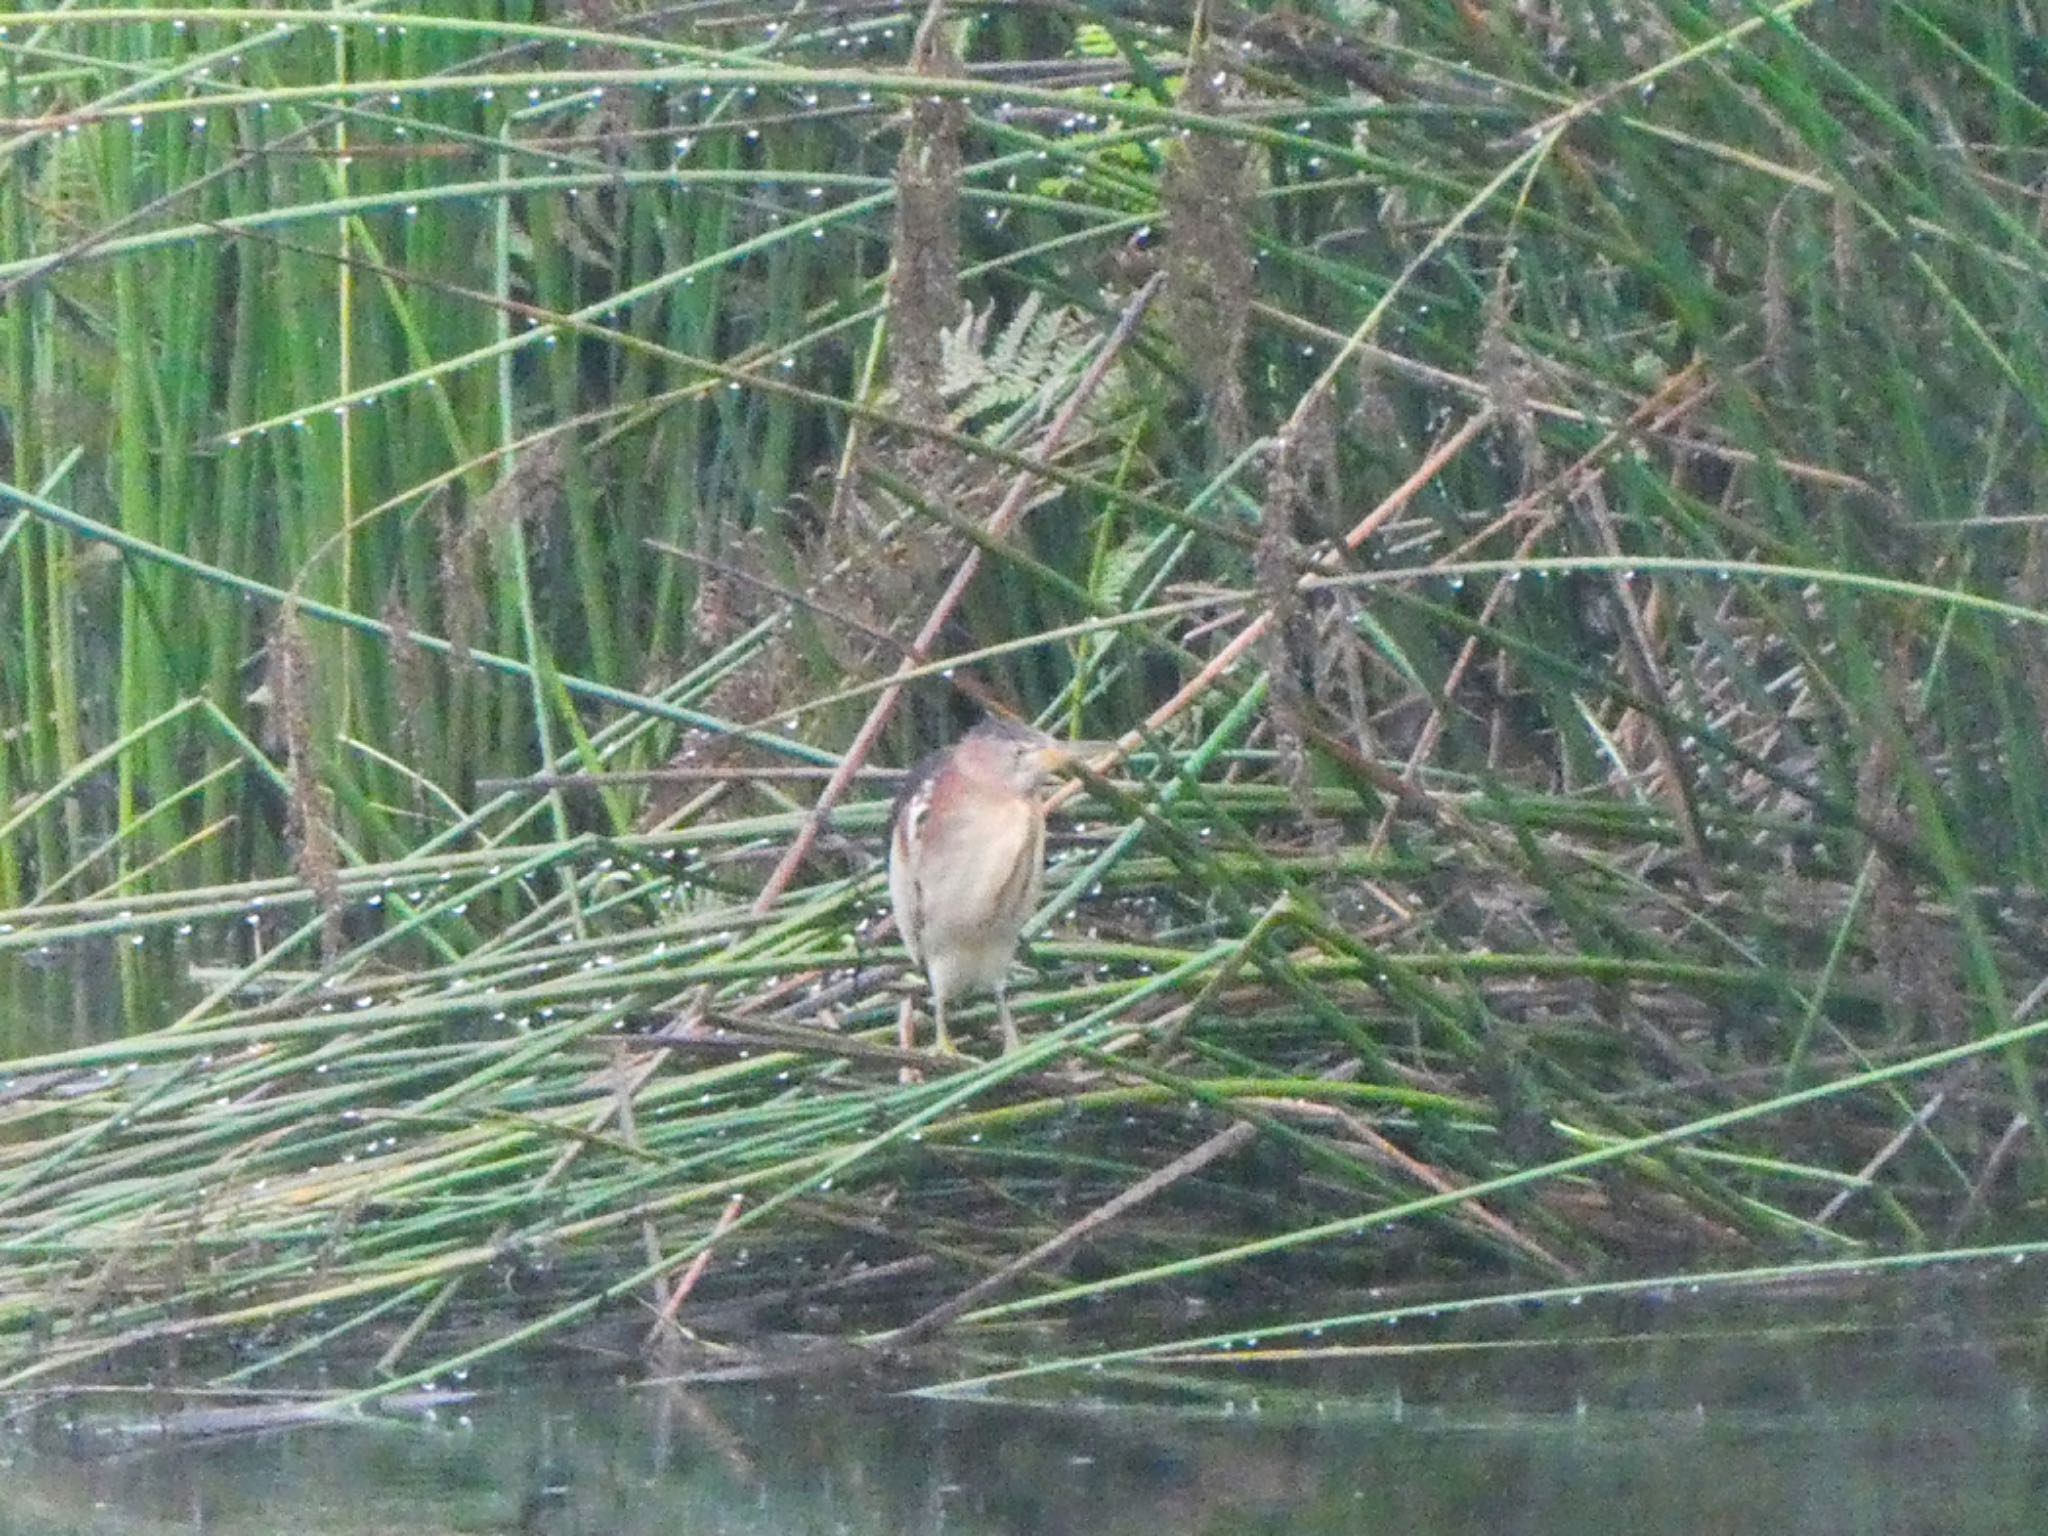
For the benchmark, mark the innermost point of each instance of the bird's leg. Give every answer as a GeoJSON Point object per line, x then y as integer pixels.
{"type": "Point", "coordinates": [1011, 1040]}
{"type": "Point", "coordinates": [906, 1037]}
{"type": "Point", "coordinates": [945, 1042]}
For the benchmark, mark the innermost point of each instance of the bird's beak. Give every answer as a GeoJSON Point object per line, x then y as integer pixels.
{"type": "Point", "coordinates": [1066, 756]}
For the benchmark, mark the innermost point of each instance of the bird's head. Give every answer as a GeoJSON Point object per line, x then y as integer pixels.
{"type": "Point", "coordinates": [1016, 755]}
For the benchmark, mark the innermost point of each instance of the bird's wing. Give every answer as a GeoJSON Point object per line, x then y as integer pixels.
{"type": "Point", "coordinates": [903, 898]}
{"type": "Point", "coordinates": [912, 801]}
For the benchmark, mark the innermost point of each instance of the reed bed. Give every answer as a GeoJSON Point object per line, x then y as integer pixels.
{"type": "Point", "coordinates": [1545, 496]}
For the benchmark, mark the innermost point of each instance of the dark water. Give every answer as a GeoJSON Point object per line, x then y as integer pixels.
{"type": "Point", "coordinates": [1809, 1423]}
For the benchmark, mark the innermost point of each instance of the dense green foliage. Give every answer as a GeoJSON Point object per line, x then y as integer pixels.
{"type": "Point", "coordinates": [1556, 483]}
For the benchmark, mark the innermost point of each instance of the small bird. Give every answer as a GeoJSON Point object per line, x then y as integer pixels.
{"type": "Point", "coordinates": [966, 858]}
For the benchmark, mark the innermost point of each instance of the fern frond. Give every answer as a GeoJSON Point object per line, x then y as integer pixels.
{"type": "Point", "coordinates": [1032, 359]}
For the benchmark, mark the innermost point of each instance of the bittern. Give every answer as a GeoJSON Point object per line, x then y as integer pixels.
{"type": "Point", "coordinates": [966, 856]}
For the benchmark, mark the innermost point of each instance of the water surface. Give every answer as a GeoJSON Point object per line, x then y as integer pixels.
{"type": "Point", "coordinates": [1808, 1419]}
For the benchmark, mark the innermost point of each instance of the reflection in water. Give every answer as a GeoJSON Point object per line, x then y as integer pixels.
{"type": "Point", "coordinates": [1737, 1432]}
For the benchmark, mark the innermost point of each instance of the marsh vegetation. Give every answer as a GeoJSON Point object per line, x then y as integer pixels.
{"type": "Point", "coordinates": [1546, 493]}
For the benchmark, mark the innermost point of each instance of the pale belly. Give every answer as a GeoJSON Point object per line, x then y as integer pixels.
{"type": "Point", "coordinates": [971, 908]}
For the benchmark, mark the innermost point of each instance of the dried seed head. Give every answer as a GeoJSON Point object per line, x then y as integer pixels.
{"type": "Point", "coordinates": [1207, 194]}
{"type": "Point", "coordinates": [1373, 416]}
{"type": "Point", "coordinates": [310, 821]}
{"type": "Point", "coordinates": [1313, 448]}
{"type": "Point", "coordinates": [924, 273]}
{"type": "Point", "coordinates": [1276, 565]}
{"type": "Point", "coordinates": [1504, 371]}
{"type": "Point", "coordinates": [528, 497]}
{"type": "Point", "coordinates": [409, 666]}
{"type": "Point", "coordinates": [462, 603]}
{"type": "Point", "coordinates": [289, 673]}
